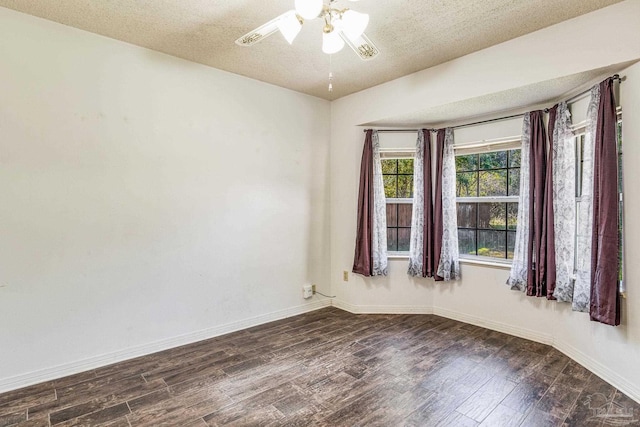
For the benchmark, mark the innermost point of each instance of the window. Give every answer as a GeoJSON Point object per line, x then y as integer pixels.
{"type": "Point", "coordinates": [487, 188]}
{"type": "Point", "coordinates": [580, 141]}
{"type": "Point", "coordinates": [398, 189]}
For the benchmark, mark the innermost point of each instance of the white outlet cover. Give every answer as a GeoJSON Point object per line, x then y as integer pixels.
{"type": "Point", "coordinates": [306, 291]}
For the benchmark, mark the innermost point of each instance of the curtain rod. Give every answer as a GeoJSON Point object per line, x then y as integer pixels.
{"type": "Point", "coordinates": [546, 110]}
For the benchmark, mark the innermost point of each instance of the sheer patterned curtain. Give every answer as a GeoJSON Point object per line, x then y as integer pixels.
{"type": "Point", "coordinates": [563, 163]}
{"type": "Point", "coordinates": [449, 266]}
{"type": "Point", "coordinates": [582, 287]}
{"type": "Point", "coordinates": [379, 237]}
{"type": "Point", "coordinates": [519, 267]}
{"type": "Point", "coordinates": [421, 245]}
{"type": "Point", "coordinates": [416, 245]}
{"type": "Point", "coordinates": [370, 257]}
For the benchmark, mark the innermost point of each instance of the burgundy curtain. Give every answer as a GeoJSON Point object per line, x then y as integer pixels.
{"type": "Point", "coordinates": [537, 175]}
{"type": "Point", "coordinates": [605, 303]}
{"type": "Point", "coordinates": [428, 260]}
{"type": "Point", "coordinates": [548, 247]}
{"type": "Point", "coordinates": [437, 211]}
{"type": "Point", "coordinates": [362, 261]}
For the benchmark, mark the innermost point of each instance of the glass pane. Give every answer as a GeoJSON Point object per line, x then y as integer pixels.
{"type": "Point", "coordinates": [514, 182]}
{"type": "Point", "coordinates": [392, 215]}
{"type": "Point", "coordinates": [392, 239]}
{"type": "Point", "coordinates": [404, 214]}
{"type": "Point", "coordinates": [512, 216]}
{"type": "Point", "coordinates": [405, 166]}
{"type": "Point", "coordinates": [514, 158]}
{"type": "Point", "coordinates": [579, 166]}
{"type": "Point", "coordinates": [467, 163]}
{"type": "Point", "coordinates": [405, 186]}
{"type": "Point", "coordinates": [511, 243]}
{"type": "Point", "coordinates": [404, 239]}
{"type": "Point", "coordinates": [467, 215]}
{"type": "Point", "coordinates": [467, 242]}
{"type": "Point", "coordinates": [494, 160]}
{"type": "Point", "coordinates": [492, 243]}
{"type": "Point", "coordinates": [390, 185]}
{"type": "Point", "coordinates": [389, 166]}
{"type": "Point", "coordinates": [467, 184]}
{"type": "Point", "coordinates": [492, 216]}
{"type": "Point", "coordinates": [493, 183]}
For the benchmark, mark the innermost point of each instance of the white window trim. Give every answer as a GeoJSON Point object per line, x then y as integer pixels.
{"type": "Point", "coordinates": [400, 154]}
{"type": "Point", "coordinates": [500, 144]}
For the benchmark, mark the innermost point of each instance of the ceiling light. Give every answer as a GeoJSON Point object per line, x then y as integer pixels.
{"type": "Point", "coordinates": [341, 25]}
{"type": "Point", "coordinates": [354, 23]}
{"type": "Point", "coordinates": [332, 42]}
{"type": "Point", "coordinates": [290, 25]}
{"type": "Point", "coordinates": [309, 9]}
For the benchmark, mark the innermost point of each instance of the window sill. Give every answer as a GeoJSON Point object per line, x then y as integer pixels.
{"type": "Point", "coordinates": [487, 262]}
{"type": "Point", "coordinates": [398, 255]}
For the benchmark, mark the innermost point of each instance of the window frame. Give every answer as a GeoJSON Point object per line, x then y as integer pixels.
{"type": "Point", "coordinates": [503, 144]}
{"type": "Point", "coordinates": [398, 154]}
{"type": "Point", "coordinates": [579, 135]}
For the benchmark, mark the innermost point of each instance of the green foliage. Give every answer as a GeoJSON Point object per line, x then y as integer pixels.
{"type": "Point", "coordinates": [484, 251]}
{"type": "Point", "coordinates": [397, 175]}
{"type": "Point", "coordinates": [389, 166]}
{"type": "Point", "coordinates": [405, 166]}
{"type": "Point", "coordinates": [494, 160]}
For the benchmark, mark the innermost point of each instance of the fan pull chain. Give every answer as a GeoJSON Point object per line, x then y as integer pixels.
{"type": "Point", "coordinates": [330, 75]}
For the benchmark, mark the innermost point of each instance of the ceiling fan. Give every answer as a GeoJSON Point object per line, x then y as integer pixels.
{"type": "Point", "coordinates": [341, 26]}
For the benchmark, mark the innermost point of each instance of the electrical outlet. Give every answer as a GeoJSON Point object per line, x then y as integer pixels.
{"type": "Point", "coordinates": [345, 275]}
{"type": "Point", "coordinates": [307, 291]}
{"type": "Point", "coordinates": [313, 289]}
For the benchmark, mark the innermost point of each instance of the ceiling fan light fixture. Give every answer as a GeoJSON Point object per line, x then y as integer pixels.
{"type": "Point", "coordinates": [354, 23]}
{"type": "Point", "coordinates": [362, 46]}
{"type": "Point", "coordinates": [332, 42]}
{"type": "Point", "coordinates": [290, 26]}
{"type": "Point", "coordinates": [309, 9]}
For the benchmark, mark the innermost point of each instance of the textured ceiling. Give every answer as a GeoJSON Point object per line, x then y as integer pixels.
{"type": "Point", "coordinates": [411, 35]}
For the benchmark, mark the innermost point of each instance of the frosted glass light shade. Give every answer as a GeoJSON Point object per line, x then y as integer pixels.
{"type": "Point", "coordinates": [354, 23]}
{"type": "Point", "coordinates": [308, 9]}
{"type": "Point", "coordinates": [332, 42]}
{"type": "Point", "coordinates": [289, 26]}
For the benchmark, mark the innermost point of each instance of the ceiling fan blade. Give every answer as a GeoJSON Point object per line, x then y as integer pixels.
{"type": "Point", "coordinates": [263, 31]}
{"type": "Point", "coordinates": [362, 46]}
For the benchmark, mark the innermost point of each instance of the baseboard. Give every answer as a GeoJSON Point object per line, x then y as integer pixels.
{"type": "Point", "coordinates": [66, 369]}
{"type": "Point", "coordinates": [382, 309]}
{"type": "Point", "coordinates": [495, 326]}
{"type": "Point", "coordinates": [621, 383]}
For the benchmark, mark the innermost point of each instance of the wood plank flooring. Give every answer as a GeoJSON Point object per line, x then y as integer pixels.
{"type": "Point", "coordinates": [333, 368]}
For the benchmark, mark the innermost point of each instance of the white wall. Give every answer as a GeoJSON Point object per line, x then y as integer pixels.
{"type": "Point", "coordinates": [602, 38]}
{"type": "Point", "coordinates": [146, 201]}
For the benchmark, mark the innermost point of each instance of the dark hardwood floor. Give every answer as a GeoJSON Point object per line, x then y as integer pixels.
{"type": "Point", "coordinates": [332, 368]}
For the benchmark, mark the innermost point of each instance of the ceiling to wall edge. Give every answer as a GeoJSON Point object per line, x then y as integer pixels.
{"type": "Point", "coordinates": [510, 102]}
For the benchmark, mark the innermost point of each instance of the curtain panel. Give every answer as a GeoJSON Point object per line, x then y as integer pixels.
{"type": "Point", "coordinates": [519, 266]}
{"type": "Point", "coordinates": [548, 245]}
{"type": "Point", "coordinates": [421, 255]}
{"type": "Point", "coordinates": [370, 258]}
{"type": "Point", "coordinates": [605, 296]}
{"type": "Point", "coordinates": [530, 253]}
{"type": "Point", "coordinates": [584, 234]}
{"type": "Point", "coordinates": [448, 266]}
{"type": "Point", "coordinates": [562, 205]}
{"type": "Point", "coordinates": [537, 172]}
